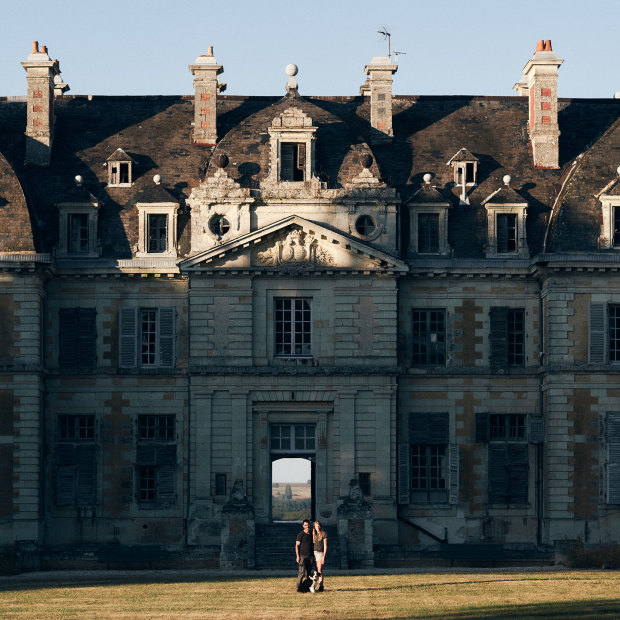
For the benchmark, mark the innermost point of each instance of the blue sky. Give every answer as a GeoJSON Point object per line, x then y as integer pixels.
{"type": "Point", "coordinates": [471, 47]}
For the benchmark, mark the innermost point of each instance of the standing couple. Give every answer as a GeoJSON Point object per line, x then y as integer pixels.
{"type": "Point", "coordinates": [310, 549]}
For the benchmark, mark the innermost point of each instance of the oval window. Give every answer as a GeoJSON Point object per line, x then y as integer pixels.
{"type": "Point", "coordinates": [219, 225]}
{"type": "Point", "coordinates": [365, 225]}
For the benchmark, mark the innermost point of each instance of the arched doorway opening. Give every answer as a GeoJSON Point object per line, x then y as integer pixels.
{"type": "Point", "coordinates": [292, 488]}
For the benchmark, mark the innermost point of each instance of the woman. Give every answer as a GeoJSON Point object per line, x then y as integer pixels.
{"type": "Point", "coordinates": [319, 538]}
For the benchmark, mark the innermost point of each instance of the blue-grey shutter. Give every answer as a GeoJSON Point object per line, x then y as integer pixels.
{"type": "Point", "coordinates": [453, 473]}
{"type": "Point", "coordinates": [165, 483]}
{"type": "Point", "coordinates": [498, 478]}
{"type": "Point", "coordinates": [482, 427]}
{"type": "Point", "coordinates": [127, 331]}
{"type": "Point", "coordinates": [67, 339]}
{"type": "Point", "coordinates": [166, 337]}
{"type": "Point", "coordinates": [146, 454]}
{"type": "Point", "coordinates": [518, 472]}
{"type": "Point", "coordinates": [418, 428]}
{"type": "Point", "coordinates": [87, 338]}
{"type": "Point", "coordinates": [536, 429]}
{"type": "Point", "coordinates": [508, 473]}
{"type": "Point", "coordinates": [498, 339]}
{"type": "Point", "coordinates": [65, 474]}
{"type": "Point", "coordinates": [429, 428]}
{"type": "Point", "coordinates": [86, 470]}
{"type": "Point", "coordinates": [403, 473]}
{"type": "Point", "coordinates": [597, 340]}
{"type": "Point", "coordinates": [612, 437]}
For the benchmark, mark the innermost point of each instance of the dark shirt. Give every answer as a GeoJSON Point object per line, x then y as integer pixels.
{"type": "Point", "coordinates": [305, 548]}
{"type": "Point", "coordinates": [319, 545]}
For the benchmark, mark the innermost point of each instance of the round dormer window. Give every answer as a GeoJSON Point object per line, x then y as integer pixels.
{"type": "Point", "coordinates": [219, 225]}
{"type": "Point", "coordinates": [365, 225]}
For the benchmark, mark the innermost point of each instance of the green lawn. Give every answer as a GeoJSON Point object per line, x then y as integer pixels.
{"type": "Point", "coordinates": [560, 595]}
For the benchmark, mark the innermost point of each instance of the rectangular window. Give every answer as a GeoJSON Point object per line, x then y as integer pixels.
{"type": "Point", "coordinates": [429, 337]}
{"type": "Point", "coordinates": [75, 461]}
{"type": "Point", "coordinates": [157, 233]}
{"type": "Point", "coordinates": [507, 426]}
{"type": "Point", "coordinates": [614, 332]}
{"type": "Point", "coordinates": [293, 161]}
{"type": "Point", "coordinates": [220, 484]}
{"type": "Point", "coordinates": [120, 173]}
{"type": "Point", "coordinates": [292, 437]}
{"type": "Point", "coordinates": [616, 227]}
{"type": "Point", "coordinates": [146, 337]}
{"type": "Point", "coordinates": [612, 466]}
{"type": "Point", "coordinates": [77, 348]}
{"type": "Point", "coordinates": [428, 473]}
{"type": "Point", "coordinates": [428, 233]}
{"type": "Point", "coordinates": [507, 337]}
{"type": "Point", "coordinates": [156, 472]}
{"type": "Point", "coordinates": [156, 427]}
{"type": "Point", "coordinates": [506, 233]}
{"type": "Point", "coordinates": [77, 233]}
{"type": "Point", "coordinates": [293, 333]}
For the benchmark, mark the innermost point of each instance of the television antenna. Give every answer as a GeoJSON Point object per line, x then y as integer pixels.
{"type": "Point", "coordinates": [386, 35]}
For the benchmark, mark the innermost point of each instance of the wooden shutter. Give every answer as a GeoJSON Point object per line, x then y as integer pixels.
{"type": "Point", "coordinates": [301, 159]}
{"type": "Point", "coordinates": [146, 454]}
{"type": "Point", "coordinates": [482, 427]}
{"type": "Point", "coordinates": [86, 470]}
{"type": "Point", "coordinates": [536, 425]}
{"type": "Point", "coordinates": [429, 428]}
{"type": "Point", "coordinates": [453, 473]}
{"type": "Point", "coordinates": [499, 337]}
{"type": "Point", "coordinates": [508, 473]}
{"type": "Point", "coordinates": [287, 161]}
{"type": "Point", "coordinates": [498, 479]}
{"type": "Point", "coordinates": [597, 337]}
{"type": "Point", "coordinates": [65, 474]}
{"type": "Point", "coordinates": [68, 338]}
{"type": "Point", "coordinates": [403, 473]}
{"type": "Point", "coordinates": [612, 437]}
{"type": "Point", "coordinates": [518, 472]}
{"type": "Point", "coordinates": [166, 337]}
{"type": "Point", "coordinates": [165, 483]}
{"type": "Point", "coordinates": [87, 338]}
{"type": "Point", "coordinates": [127, 329]}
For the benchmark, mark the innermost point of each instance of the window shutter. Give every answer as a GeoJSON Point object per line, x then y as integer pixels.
{"type": "Point", "coordinates": [286, 161]}
{"type": "Point", "coordinates": [597, 339]}
{"type": "Point", "coordinates": [65, 475]}
{"type": "Point", "coordinates": [166, 337]}
{"type": "Point", "coordinates": [518, 473]}
{"type": "Point", "coordinates": [301, 156]}
{"type": "Point", "coordinates": [127, 337]}
{"type": "Point", "coordinates": [498, 478]}
{"type": "Point", "coordinates": [85, 488]}
{"type": "Point", "coordinates": [453, 471]}
{"type": "Point", "coordinates": [612, 436]}
{"type": "Point", "coordinates": [87, 337]}
{"type": "Point", "coordinates": [482, 427]}
{"type": "Point", "coordinates": [499, 337]}
{"type": "Point", "coordinates": [537, 429]}
{"type": "Point", "coordinates": [439, 428]}
{"type": "Point", "coordinates": [166, 455]}
{"type": "Point", "coordinates": [68, 339]}
{"type": "Point", "coordinates": [418, 428]}
{"type": "Point", "coordinates": [146, 454]}
{"type": "Point", "coordinates": [403, 473]}
{"type": "Point", "coordinates": [165, 484]}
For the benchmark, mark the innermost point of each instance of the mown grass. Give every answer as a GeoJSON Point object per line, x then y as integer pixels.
{"type": "Point", "coordinates": [451, 596]}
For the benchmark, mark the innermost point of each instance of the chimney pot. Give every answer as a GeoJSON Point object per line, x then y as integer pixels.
{"type": "Point", "coordinates": [35, 47]}
{"type": "Point", "coordinates": [44, 49]}
{"type": "Point", "coordinates": [540, 46]}
{"type": "Point", "coordinates": [548, 45]}
{"type": "Point", "coordinates": [210, 50]}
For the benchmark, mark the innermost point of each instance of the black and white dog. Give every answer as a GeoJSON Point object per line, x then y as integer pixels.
{"type": "Point", "coordinates": [314, 578]}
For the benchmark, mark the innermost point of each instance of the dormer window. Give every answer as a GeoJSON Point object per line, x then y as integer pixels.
{"type": "Point", "coordinates": [77, 224]}
{"type": "Point", "coordinates": [610, 228]}
{"type": "Point", "coordinates": [157, 230]}
{"type": "Point", "coordinates": [120, 169]}
{"type": "Point", "coordinates": [77, 233]}
{"type": "Point", "coordinates": [292, 138]}
{"type": "Point", "coordinates": [465, 167]}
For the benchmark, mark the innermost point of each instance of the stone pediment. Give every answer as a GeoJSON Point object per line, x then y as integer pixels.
{"type": "Point", "coordinates": [294, 244]}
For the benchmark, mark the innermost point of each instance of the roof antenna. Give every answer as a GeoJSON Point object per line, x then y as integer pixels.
{"type": "Point", "coordinates": [399, 53]}
{"type": "Point", "coordinates": [386, 35]}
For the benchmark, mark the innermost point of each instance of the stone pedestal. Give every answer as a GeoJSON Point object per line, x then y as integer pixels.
{"type": "Point", "coordinates": [355, 530]}
{"type": "Point", "coordinates": [238, 527]}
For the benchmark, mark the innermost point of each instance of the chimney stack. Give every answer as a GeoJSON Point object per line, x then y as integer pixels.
{"type": "Point", "coordinates": [541, 73]}
{"type": "Point", "coordinates": [206, 88]}
{"type": "Point", "coordinates": [379, 85]}
{"type": "Point", "coordinates": [40, 74]}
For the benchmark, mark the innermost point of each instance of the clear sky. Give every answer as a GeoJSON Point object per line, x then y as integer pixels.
{"type": "Point", "coordinates": [469, 47]}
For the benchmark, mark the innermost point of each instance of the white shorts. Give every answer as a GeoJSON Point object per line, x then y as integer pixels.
{"type": "Point", "coordinates": [318, 555]}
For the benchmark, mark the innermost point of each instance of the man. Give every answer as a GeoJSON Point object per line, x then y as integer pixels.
{"type": "Point", "coordinates": [304, 551]}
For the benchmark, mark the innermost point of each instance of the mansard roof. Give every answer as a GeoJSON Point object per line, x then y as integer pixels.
{"type": "Point", "coordinates": [157, 131]}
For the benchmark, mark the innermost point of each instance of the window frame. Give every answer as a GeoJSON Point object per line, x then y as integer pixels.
{"type": "Point", "coordinates": [130, 330]}
{"type": "Point", "coordinates": [66, 211]}
{"type": "Point", "coordinates": [297, 328]}
{"type": "Point", "coordinates": [156, 461]}
{"type": "Point", "coordinates": [428, 336]}
{"type": "Point", "coordinates": [145, 212]}
{"type": "Point", "coordinates": [494, 213]}
{"type": "Point", "coordinates": [77, 339]}
{"type": "Point", "coordinates": [610, 209]}
{"type": "Point", "coordinates": [505, 339]}
{"type": "Point", "coordinates": [292, 435]}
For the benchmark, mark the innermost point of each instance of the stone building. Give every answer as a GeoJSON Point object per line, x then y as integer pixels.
{"type": "Point", "coordinates": [419, 295]}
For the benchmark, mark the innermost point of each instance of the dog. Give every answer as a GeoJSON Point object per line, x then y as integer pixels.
{"type": "Point", "coordinates": [314, 578]}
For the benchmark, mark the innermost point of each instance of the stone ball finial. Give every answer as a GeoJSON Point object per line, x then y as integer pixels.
{"type": "Point", "coordinates": [220, 160]}
{"type": "Point", "coordinates": [507, 178]}
{"type": "Point", "coordinates": [291, 70]}
{"type": "Point", "coordinates": [366, 160]}
{"type": "Point", "coordinates": [78, 180]}
{"type": "Point", "coordinates": [427, 177]}
{"type": "Point", "coordinates": [618, 170]}
{"type": "Point", "coordinates": [157, 179]}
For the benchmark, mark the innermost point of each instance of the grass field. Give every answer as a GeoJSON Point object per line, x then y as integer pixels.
{"type": "Point", "coordinates": [455, 595]}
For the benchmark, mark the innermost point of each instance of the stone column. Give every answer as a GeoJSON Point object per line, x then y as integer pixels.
{"type": "Point", "coordinates": [238, 531]}
{"type": "Point", "coordinates": [239, 422]}
{"type": "Point", "coordinates": [347, 439]}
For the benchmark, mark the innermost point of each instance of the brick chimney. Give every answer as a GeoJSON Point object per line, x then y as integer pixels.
{"type": "Point", "coordinates": [40, 74]}
{"type": "Point", "coordinates": [541, 73]}
{"type": "Point", "coordinates": [206, 88]}
{"type": "Point", "coordinates": [379, 86]}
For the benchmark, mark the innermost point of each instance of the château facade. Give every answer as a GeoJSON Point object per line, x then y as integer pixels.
{"type": "Point", "coordinates": [420, 295]}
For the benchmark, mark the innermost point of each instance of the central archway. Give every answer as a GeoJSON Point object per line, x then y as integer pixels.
{"type": "Point", "coordinates": [292, 488]}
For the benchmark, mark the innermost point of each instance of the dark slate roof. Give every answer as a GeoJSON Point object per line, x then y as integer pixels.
{"type": "Point", "coordinates": [119, 155]}
{"type": "Point", "coordinates": [16, 233]}
{"type": "Point", "coordinates": [157, 131]}
{"type": "Point", "coordinates": [427, 193]}
{"type": "Point", "coordinates": [463, 155]}
{"type": "Point", "coordinates": [504, 195]}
